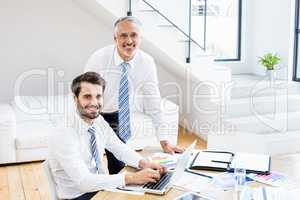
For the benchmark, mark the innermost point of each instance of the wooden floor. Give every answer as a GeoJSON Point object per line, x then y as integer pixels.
{"type": "Point", "coordinates": [27, 181]}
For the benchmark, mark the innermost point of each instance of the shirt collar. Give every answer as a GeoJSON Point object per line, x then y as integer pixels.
{"type": "Point", "coordinates": [118, 60]}
{"type": "Point", "coordinates": [82, 126]}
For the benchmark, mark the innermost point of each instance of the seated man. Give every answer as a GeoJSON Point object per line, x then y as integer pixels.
{"type": "Point", "coordinates": [131, 77]}
{"type": "Point", "coordinates": [76, 150]}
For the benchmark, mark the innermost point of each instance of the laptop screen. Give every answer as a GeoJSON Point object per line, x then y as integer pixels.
{"type": "Point", "coordinates": [182, 162]}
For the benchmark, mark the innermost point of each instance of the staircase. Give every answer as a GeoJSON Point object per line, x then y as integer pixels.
{"type": "Point", "coordinates": [168, 45]}
{"type": "Point", "coordinates": [165, 37]}
{"type": "Point", "coordinates": [263, 117]}
{"type": "Point", "coordinates": [259, 117]}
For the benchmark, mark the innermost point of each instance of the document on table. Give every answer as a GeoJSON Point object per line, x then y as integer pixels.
{"type": "Point", "coordinates": [273, 178]}
{"type": "Point", "coordinates": [208, 159]}
{"type": "Point", "coordinates": [193, 182]}
{"type": "Point", "coordinates": [269, 193]}
{"type": "Point", "coordinates": [167, 160]}
{"type": "Point", "coordinates": [249, 161]}
{"type": "Point", "coordinates": [227, 161]}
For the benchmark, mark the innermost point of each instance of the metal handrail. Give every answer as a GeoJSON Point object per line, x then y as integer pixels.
{"type": "Point", "coordinates": [173, 24]}
{"type": "Point", "coordinates": [188, 59]}
{"type": "Point", "coordinates": [190, 39]}
{"type": "Point", "coordinates": [205, 15]}
{"type": "Point", "coordinates": [129, 12]}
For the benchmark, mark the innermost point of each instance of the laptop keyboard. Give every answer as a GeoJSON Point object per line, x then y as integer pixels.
{"type": "Point", "coordinates": [164, 179]}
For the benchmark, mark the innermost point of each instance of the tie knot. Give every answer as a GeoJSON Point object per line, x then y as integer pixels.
{"type": "Point", "coordinates": [92, 130]}
{"type": "Point", "coordinates": [124, 67]}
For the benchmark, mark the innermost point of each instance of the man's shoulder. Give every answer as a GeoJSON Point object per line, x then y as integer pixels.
{"type": "Point", "coordinates": [145, 56]}
{"type": "Point", "coordinates": [62, 136]}
{"type": "Point", "coordinates": [99, 59]}
{"type": "Point", "coordinates": [101, 123]}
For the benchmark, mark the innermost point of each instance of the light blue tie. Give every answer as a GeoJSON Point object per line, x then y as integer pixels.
{"type": "Point", "coordinates": [94, 148]}
{"type": "Point", "coordinates": [124, 113]}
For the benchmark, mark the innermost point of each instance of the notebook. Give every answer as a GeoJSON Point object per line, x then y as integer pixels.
{"type": "Point", "coordinates": [227, 161]}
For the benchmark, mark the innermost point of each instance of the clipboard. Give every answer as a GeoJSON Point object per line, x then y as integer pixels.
{"type": "Point", "coordinates": [225, 161]}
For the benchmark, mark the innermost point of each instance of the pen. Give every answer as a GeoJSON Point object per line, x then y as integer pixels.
{"type": "Point", "coordinates": [217, 161]}
{"type": "Point", "coordinates": [197, 173]}
{"type": "Point", "coordinates": [125, 190]}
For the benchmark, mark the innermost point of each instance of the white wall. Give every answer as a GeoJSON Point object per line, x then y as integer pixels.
{"type": "Point", "coordinates": [271, 23]}
{"type": "Point", "coordinates": [266, 28]}
{"type": "Point", "coordinates": [42, 34]}
{"type": "Point", "coordinates": [244, 65]}
{"type": "Point", "coordinates": [59, 35]}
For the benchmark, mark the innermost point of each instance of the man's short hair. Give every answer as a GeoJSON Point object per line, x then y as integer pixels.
{"type": "Point", "coordinates": [132, 19]}
{"type": "Point", "coordinates": [88, 77]}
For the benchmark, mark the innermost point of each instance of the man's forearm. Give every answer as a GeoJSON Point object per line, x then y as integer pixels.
{"type": "Point", "coordinates": [143, 163]}
{"type": "Point", "coordinates": [129, 178]}
{"type": "Point", "coordinates": [164, 143]}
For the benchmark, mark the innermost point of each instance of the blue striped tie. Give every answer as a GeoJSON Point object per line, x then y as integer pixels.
{"type": "Point", "coordinates": [94, 148]}
{"type": "Point", "coordinates": [124, 113]}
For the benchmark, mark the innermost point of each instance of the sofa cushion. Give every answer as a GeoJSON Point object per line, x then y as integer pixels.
{"type": "Point", "coordinates": [25, 155]}
{"type": "Point", "coordinates": [7, 134]}
{"type": "Point", "coordinates": [33, 134]}
{"type": "Point", "coordinates": [29, 108]}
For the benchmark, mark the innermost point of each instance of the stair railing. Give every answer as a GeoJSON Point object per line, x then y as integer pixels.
{"type": "Point", "coordinates": [188, 35]}
{"type": "Point", "coordinates": [129, 12]}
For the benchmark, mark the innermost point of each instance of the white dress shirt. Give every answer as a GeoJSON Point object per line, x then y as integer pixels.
{"type": "Point", "coordinates": [71, 161]}
{"type": "Point", "coordinates": [144, 94]}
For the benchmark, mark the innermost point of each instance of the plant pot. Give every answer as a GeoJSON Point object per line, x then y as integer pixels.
{"type": "Point", "coordinates": [272, 76]}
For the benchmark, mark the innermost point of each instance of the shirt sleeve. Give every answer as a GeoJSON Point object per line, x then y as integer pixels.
{"type": "Point", "coordinates": [120, 150]}
{"type": "Point", "coordinates": [64, 148]}
{"type": "Point", "coordinates": [95, 62]}
{"type": "Point", "coordinates": [153, 101]}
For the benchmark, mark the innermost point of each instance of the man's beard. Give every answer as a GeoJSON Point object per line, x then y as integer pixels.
{"type": "Point", "coordinates": [82, 112]}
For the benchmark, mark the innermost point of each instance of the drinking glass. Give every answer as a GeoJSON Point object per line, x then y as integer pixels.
{"type": "Point", "coordinates": [240, 178]}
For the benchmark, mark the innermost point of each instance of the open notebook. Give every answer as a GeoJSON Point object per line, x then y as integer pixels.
{"type": "Point", "coordinates": [227, 161]}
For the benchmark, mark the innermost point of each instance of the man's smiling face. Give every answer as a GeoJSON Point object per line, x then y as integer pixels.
{"type": "Point", "coordinates": [89, 101]}
{"type": "Point", "coordinates": [128, 39]}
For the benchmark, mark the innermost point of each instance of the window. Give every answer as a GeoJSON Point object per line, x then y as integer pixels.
{"type": "Point", "coordinates": [296, 72]}
{"type": "Point", "coordinates": [222, 27]}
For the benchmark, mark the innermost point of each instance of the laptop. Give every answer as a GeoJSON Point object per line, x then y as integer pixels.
{"type": "Point", "coordinates": [166, 181]}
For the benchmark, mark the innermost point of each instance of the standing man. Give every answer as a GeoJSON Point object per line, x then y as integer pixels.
{"type": "Point", "coordinates": [131, 75]}
{"type": "Point", "coordinates": [76, 151]}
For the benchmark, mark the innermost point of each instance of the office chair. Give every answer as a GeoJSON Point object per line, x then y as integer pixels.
{"type": "Point", "coordinates": [50, 180]}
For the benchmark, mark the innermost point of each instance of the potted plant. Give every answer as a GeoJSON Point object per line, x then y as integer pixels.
{"type": "Point", "coordinates": [269, 61]}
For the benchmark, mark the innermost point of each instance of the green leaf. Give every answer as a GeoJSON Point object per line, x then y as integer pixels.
{"type": "Point", "coordinates": [269, 60]}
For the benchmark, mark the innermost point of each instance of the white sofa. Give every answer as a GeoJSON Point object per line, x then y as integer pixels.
{"type": "Point", "coordinates": [26, 123]}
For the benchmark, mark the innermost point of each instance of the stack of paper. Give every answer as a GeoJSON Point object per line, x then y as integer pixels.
{"type": "Point", "coordinates": [250, 161]}
{"type": "Point", "coordinates": [226, 180]}
{"type": "Point", "coordinates": [269, 193]}
{"type": "Point", "coordinates": [167, 160]}
{"type": "Point", "coordinates": [193, 182]}
{"type": "Point", "coordinates": [274, 178]}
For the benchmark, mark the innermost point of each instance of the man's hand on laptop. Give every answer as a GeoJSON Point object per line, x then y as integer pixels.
{"type": "Point", "coordinates": [151, 172]}
{"type": "Point", "coordinates": [141, 177]}
{"type": "Point", "coordinates": [146, 164]}
{"type": "Point", "coordinates": [168, 148]}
